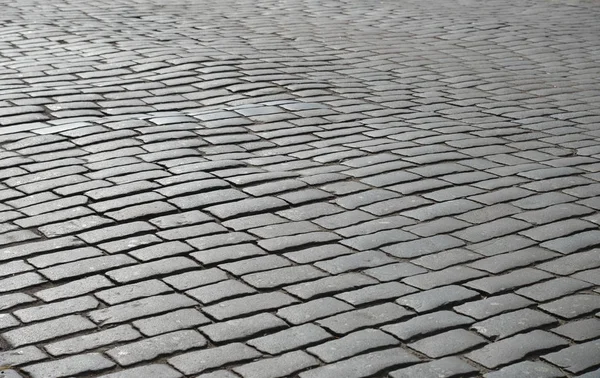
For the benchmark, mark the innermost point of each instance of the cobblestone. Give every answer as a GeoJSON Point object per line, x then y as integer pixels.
{"type": "Point", "coordinates": [47, 330]}
{"type": "Point", "coordinates": [527, 368]}
{"type": "Point", "coordinates": [447, 343]}
{"type": "Point", "coordinates": [81, 364]}
{"type": "Point", "coordinates": [364, 365]}
{"type": "Point", "coordinates": [515, 348]}
{"type": "Point", "coordinates": [424, 325]}
{"type": "Point", "coordinates": [149, 349]}
{"type": "Point", "coordinates": [508, 324]}
{"type": "Point", "coordinates": [87, 342]}
{"type": "Point", "coordinates": [350, 321]}
{"type": "Point", "coordinates": [346, 189]}
{"type": "Point", "coordinates": [290, 339]}
{"type": "Point", "coordinates": [200, 361]}
{"type": "Point", "coordinates": [428, 300]}
{"type": "Point", "coordinates": [576, 358]}
{"type": "Point", "coordinates": [443, 368]}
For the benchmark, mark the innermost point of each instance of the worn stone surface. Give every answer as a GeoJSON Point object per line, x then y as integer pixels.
{"type": "Point", "coordinates": [299, 189]}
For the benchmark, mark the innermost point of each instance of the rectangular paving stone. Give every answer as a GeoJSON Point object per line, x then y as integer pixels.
{"type": "Point", "coordinates": [67, 307]}
{"type": "Point", "coordinates": [367, 259]}
{"type": "Point", "coordinates": [201, 200]}
{"type": "Point", "coordinates": [228, 253]}
{"type": "Point", "coordinates": [572, 263]}
{"type": "Point", "coordinates": [557, 229]}
{"type": "Point", "coordinates": [375, 293]}
{"type": "Point", "coordinates": [445, 259]}
{"type": "Point", "coordinates": [283, 276]}
{"type": "Point", "coordinates": [221, 239]}
{"type": "Point", "coordinates": [151, 269]}
{"type": "Point", "coordinates": [114, 232]}
{"type": "Point", "coordinates": [429, 300]}
{"type": "Point", "coordinates": [377, 224]}
{"type": "Point", "coordinates": [124, 201]}
{"type": "Point", "coordinates": [20, 281]}
{"type": "Point", "coordinates": [155, 370]}
{"type": "Point", "coordinates": [580, 330]}
{"type": "Point", "coordinates": [552, 289]}
{"type": "Point", "coordinates": [574, 243]}
{"type": "Point", "coordinates": [354, 201]}
{"type": "Point", "coordinates": [151, 348]}
{"type": "Point", "coordinates": [438, 226]}
{"type": "Point", "coordinates": [490, 230]}
{"type": "Point", "coordinates": [510, 323]}
{"type": "Point", "coordinates": [313, 310]}
{"type": "Point", "coordinates": [427, 324]}
{"type": "Point", "coordinates": [87, 266]}
{"type": "Point", "coordinates": [47, 330]}
{"type": "Point", "coordinates": [450, 342]}
{"type": "Point", "coordinates": [395, 205]}
{"type": "Point", "coordinates": [500, 245]}
{"type": "Point", "coordinates": [509, 281]}
{"type": "Point", "coordinates": [553, 213]}
{"type": "Point", "coordinates": [253, 221]}
{"type": "Point", "coordinates": [243, 328]}
{"type": "Point", "coordinates": [181, 219]}
{"type": "Point", "coordinates": [527, 367]}
{"type": "Point", "coordinates": [140, 308]}
{"type": "Point", "coordinates": [248, 305]}
{"type": "Point", "coordinates": [21, 356]}
{"type": "Point", "coordinates": [572, 306]}
{"type": "Point", "coordinates": [364, 365]}
{"type": "Point", "coordinates": [196, 278]}
{"type": "Point", "coordinates": [8, 321]}
{"type": "Point", "coordinates": [134, 291]}
{"type": "Point", "coordinates": [368, 317]}
{"type": "Point", "coordinates": [330, 285]}
{"type": "Point", "coordinates": [278, 367]}
{"type": "Point", "coordinates": [576, 358]}
{"type": "Point", "coordinates": [289, 339]}
{"type": "Point", "coordinates": [377, 239]}
{"type": "Point", "coordinates": [256, 264]}
{"type": "Point", "coordinates": [79, 344]}
{"type": "Point", "coordinates": [494, 305]}
{"type": "Point", "coordinates": [52, 217]}
{"type": "Point", "coordinates": [352, 344]}
{"type": "Point", "coordinates": [212, 358]}
{"type": "Point", "coordinates": [392, 272]}
{"type": "Point", "coordinates": [141, 211]}
{"type": "Point", "coordinates": [23, 250]}
{"type": "Point", "coordinates": [515, 348]}
{"type": "Point", "coordinates": [70, 366]}
{"type": "Point", "coordinates": [49, 259]}
{"type": "Point", "coordinates": [220, 291]}
{"type": "Point", "coordinates": [296, 241]}
{"type": "Point", "coordinates": [451, 275]}
{"type": "Point", "coordinates": [447, 367]}
{"type": "Point", "coordinates": [182, 233]}
{"type": "Point", "coordinates": [284, 229]}
{"type": "Point", "coordinates": [161, 250]}
{"type": "Point", "coordinates": [317, 253]}
{"type": "Point", "coordinates": [171, 321]}
{"type": "Point", "coordinates": [14, 267]}
{"type": "Point", "coordinates": [247, 207]}
{"type": "Point", "coordinates": [129, 243]}
{"type": "Point", "coordinates": [442, 209]}
{"type": "Point", "coordinates": [74, 288]}
{"type": "Point", "coordinates": [507, 261]}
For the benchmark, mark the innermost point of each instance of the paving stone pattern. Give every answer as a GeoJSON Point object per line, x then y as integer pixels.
{"type": "Point", "coordinates": [255, 189]}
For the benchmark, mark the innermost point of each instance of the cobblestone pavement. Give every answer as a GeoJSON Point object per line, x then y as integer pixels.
{"type": "Point", "coordinates": [310, 189]}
